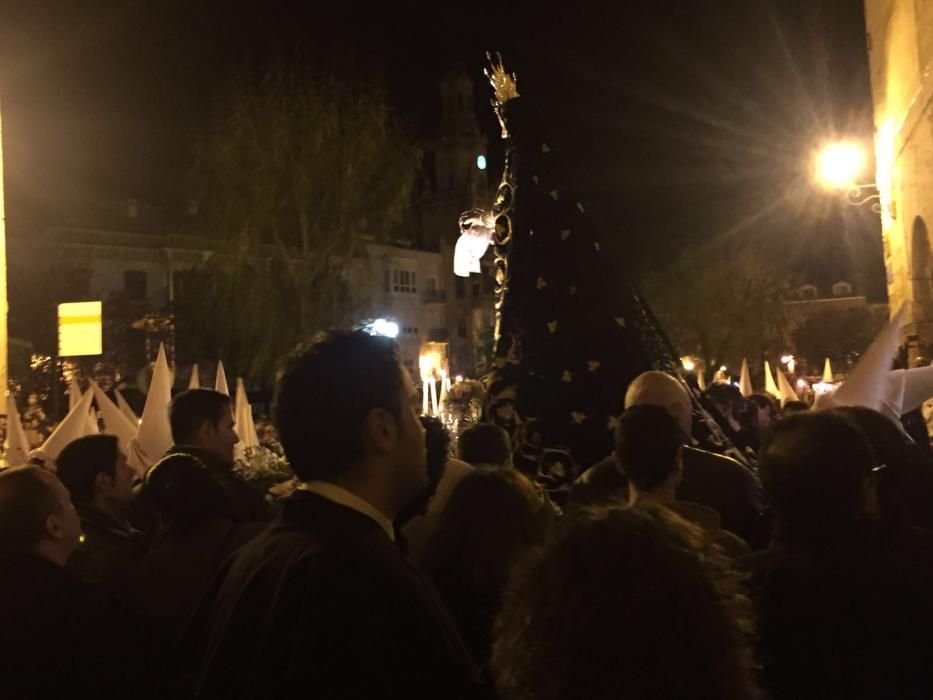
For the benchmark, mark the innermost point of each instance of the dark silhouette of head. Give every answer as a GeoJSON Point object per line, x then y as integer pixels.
{"type": "Point", "coordinates": [727, 399]}
{"type": "Point", "coordinates": [490, 517]}
{"type": "Point", "coordinates": [93, 468]}
{"type": "Point", "coordinates": [624, 602]}
{"type": "Point", "coordinates": [485, 444]}
{"type": "Point", "coordinates": [36, 515]}
{"type": "Point", "coordinates": [204, 418]}
{"type": "Point", "coordinates": [890, 448]}
{"type": "Point", "coordinates": [344, 406]}
{"type": "Point", "coordinates": [648, 443]}
{"type": "Point", "coordinates": [792, 407]}
{"type": "Point", "coordinates": [814, 466]}
{"type": "Point", "coordinates": [183, 492]}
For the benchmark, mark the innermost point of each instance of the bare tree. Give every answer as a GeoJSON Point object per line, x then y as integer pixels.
{"type": "Point", "coordinates": [299, 172]}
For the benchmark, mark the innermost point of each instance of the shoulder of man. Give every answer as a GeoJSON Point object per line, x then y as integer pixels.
{"type": "Point", "coordinates": [712, 460]}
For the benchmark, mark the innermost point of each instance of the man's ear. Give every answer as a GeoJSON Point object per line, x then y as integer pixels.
{"type": "Point", "coordinates": [53, 527]}
{"type": "Point", "coordinates": [381, 430]}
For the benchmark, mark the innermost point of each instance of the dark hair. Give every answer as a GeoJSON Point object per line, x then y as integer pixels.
{"type": "Point", "coordinates": [26, 501]}
{"type": "Point", "coordinates": [183, 492]}
{"type": "Point", "coordinates": [485, 443]}
{"type": "Point", "coordinates": [792, 407]}
{"type": "Point", "coordinates": [492, 517]}
{"type": "Point", "coordinates": [764, 401]}
{"type": "Point", "coordinates": [813, 465]}
{"type": "Point", "coordinates": [625, 602]}
{"type": "Point", "coordinates": [324, 393]}
{"type": "Point", "coordinates": [720, 393]}
{"type": "Point", "coordinates": [191, 409]}
{"type": "Point", "coordinates": [82, 460]}
{"type": "Point", "coordinates": [889, 446]}
{"type": "Point", "coordinates": [647, 440]}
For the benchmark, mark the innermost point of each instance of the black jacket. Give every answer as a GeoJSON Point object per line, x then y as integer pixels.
{"type": "Point", "coordinates": [108, 549]}
{"type": "Point", "coordinates": [247, 504]}
{"type": "Point", "coordinates": [709, 479]}
{"type": "Point", "coordinates": [58, 638]}
{"type": "Point", "coordinates": [324, 601]}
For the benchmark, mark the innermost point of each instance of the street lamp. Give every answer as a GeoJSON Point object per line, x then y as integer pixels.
{"type": "Point", "coordinates": [837, 168]}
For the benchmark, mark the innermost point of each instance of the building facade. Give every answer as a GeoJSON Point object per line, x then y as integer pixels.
{"type": "Point", "coordinates": [141, 256]}
{"type": "Point", "coordinates": [900, 49]}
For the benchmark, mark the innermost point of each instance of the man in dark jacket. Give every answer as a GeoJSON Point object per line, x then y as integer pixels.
{"type": "Point", "coordinates": [94, 470]}
{"type": "Point", "coordinates": [709, 479]}
{"type": "Point", "coordinates": [324, 599]}
{"type": "Point", "coordinates": [203, 426]}
{"type": "Point", "coordinates": [58, 639]}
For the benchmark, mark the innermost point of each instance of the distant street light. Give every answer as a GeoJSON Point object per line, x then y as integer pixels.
{"type": "Point", "coordinates": [838, 167]}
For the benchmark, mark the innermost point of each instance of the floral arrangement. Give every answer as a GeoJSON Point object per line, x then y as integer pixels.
{"type": "Point", "coordinates": [464, 405]}
{"type": "Point", "coordinates": [260, 464]}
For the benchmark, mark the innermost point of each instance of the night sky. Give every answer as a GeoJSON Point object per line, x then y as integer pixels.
{"type": "Point", "coordinates": [681, 121]}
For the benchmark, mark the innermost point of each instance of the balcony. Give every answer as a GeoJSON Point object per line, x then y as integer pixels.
{"type": "Point", "coordinates": [438, 335]}
{"type": "Point", "coordinates": [434, 296]}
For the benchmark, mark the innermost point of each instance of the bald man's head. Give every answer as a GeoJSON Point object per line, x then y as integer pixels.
{"type": "Point", "coordinates": [660, 389]}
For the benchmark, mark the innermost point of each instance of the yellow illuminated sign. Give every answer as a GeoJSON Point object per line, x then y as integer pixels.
{"type": "Point", "coordinates": [80, 329]}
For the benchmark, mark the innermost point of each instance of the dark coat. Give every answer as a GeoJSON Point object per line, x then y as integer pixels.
{"type": "Point", "coordinates": [58, 638]}
{"type": "Point", "coordinates": [324, 601]}
{"type": "Point", "coordinates": [247, 503]}
{"type": "Point", "coordinates": [108, 549]}
{"type": "Point", "coordinates": [850, 622]}
{"type": "Point", "coordinates": [169, 581]}
{"type": "Point", "coordinates": [709, 479]}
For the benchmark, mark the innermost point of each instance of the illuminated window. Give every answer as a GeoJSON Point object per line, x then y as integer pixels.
{"type": "Point", "coordinates": [401, 278]}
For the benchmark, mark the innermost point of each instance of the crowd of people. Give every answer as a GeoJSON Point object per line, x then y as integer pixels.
{"type": "Point", "coordinates": [409, 564]}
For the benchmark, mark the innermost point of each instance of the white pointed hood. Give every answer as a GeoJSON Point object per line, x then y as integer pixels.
{"type": "Point", "coordinates": [16, 446]}
{"type": "Point", "coordinates": [827, 372]}
{"type": "Point", "coordinates": [74, 395]}
{"type": "Point", "coordinates": [872, 384]}
{"type": "Point", "coordinates": [115, 422]}
{"type": "Point", "coordinates": [72, 427]}
{"type": "Point", "coordinates": [243, 414]}
{"type": "Point", "coordinates": [125, 408]}
{"type": "Point", "coordinates": [154, 438]}
{"type": "Point", "coordinates": [770, 386]}
{"type": "Point", "coordinates": [92, 427]}
{"type": "Point", "coordinates": [195, 381]}
{"type": "Point", "coordinates": [784, 386]}
{"type": "Point", "coordinates": [745, 380]}
{"type": "Point", "coordinates": [220, 382]}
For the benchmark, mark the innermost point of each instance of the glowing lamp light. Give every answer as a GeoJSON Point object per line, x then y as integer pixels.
{"type": "Point", "coordinates": [481, 162]}
{"type": "Point", "coordinates": [802, 384]}
{"type": "Point", "coordinates": [458, 379]}
{"type": "Point", "coordinates": [838, 165]}
{"type": "Point", "coordinates": [382, 326]}
{"type": "Point", "coordinates": [688, 363]}
{"type": "Point", "coordinates": [722, 368]}
{"type": "Point", "coordinates": [823, 388]}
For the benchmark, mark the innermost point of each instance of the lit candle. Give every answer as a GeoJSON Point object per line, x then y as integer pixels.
{"type": "Point", "coordinates": [445, 386]}
{"type": "Point", "coordinates": [433, 396]}
{"type": "Point", "coordinates": [424, 398]}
